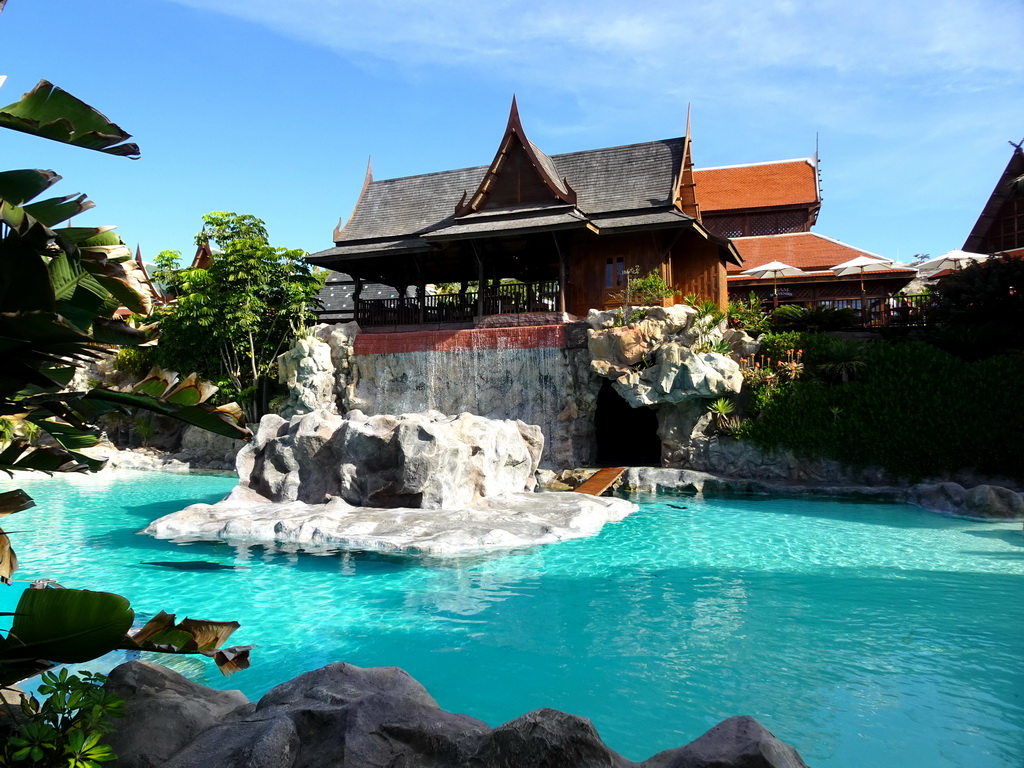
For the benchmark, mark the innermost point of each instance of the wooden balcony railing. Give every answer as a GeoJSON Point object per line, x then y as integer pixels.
{"type": "Point", "coordinates": [459, 308]}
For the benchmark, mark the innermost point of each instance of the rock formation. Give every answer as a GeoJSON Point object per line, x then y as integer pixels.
{"type": "Point", "coordinates": [982, 502]}
{"type": "Point", "coordinates": [654, 360]}
{"type": "Point", "coordinates": [345, 716]}
{"type": "Point", "coordinates": [412, 483]}
{"type": "Point", "coordinates": [509, 521]}
{"type": "Point", "coordinates": [426, 460]}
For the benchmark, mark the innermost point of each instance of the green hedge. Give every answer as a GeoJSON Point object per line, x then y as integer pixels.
{"type": "Point", "coordinates": [912, 409]}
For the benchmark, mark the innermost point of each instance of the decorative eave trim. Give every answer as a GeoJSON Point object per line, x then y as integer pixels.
{"type": "Point", "coordinates": [367, 180]}
{"type": "Point", "coordinates": [560, 189]}
{"type": "Point", "coordinates": [685, 198]}
{"type": "Point", "coordinates": [726, 246]}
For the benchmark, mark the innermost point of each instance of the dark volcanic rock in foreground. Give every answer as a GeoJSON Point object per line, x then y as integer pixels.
{"type": "Point", "coordinates": [347, 717]}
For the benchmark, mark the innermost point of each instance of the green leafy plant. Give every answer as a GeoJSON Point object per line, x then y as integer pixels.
{"type": "Point", "coordinates": [747, 314]}
{"type": "Point", "coordinates": [979, 310]}
{"type": "Point", "coordinates": [816, 318]}
{"type": "Point", "coordinates": [722, 409]}
{"type": "Point", "coordinates": [893, 414]}
{"type": "Point", "coordinates": [232, 319]}
{"type": "Point", "coordinates": [716, 345]}
{"type": "Point", "coordinates": [60, 288]}
{"type": "Point", "coordinates": [66, 727]}
{"type": "Point", "coordinates": [706, 325]}
{"type": "Point", "coordinates": [650, 289]}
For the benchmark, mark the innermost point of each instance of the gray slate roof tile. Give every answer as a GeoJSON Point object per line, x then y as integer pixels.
{"type": "Point", "coordinates": [633, 177]}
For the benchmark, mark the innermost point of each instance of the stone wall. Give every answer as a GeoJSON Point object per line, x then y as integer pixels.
{"type": "Point", "coordinates": [548, 375]}
{"type": "Point", "coordinates": [539, 375]}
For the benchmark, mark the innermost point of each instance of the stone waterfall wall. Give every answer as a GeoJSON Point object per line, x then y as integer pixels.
{"type": "Point", "coordinates": [544, 375]}
{"type": "Point", "coordinates": [540, 375]}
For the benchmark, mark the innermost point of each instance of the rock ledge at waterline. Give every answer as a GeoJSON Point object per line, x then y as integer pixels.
{"type": "Point", "coordinates": [418, 482]}
{"type": "Point", "coordinates": [345, 716]}
{"type": "Point", "coordinates": [508, 521]}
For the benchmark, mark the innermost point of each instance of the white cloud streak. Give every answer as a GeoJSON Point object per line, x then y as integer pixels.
{"type": "Point", "coordinates": [837, 65]}
{"type": "Point", "coordinates": [872, 36]}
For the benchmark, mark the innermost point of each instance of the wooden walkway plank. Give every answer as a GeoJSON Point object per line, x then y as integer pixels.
{"type": "Point", "coordinates": [601, 481]}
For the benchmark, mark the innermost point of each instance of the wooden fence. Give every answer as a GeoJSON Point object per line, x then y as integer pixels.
{"type": "Point", "coordinates": [505, 298]}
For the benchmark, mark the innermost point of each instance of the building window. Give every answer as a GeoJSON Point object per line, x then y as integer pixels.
{"type": "Point", "coordinates": [614, 272]}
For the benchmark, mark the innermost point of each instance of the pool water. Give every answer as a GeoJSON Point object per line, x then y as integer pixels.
{"type": "Point", "coordinates": [862, 634]}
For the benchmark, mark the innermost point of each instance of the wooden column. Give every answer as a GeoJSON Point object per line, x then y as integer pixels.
{"type": "Point", "coordinates": [480, 285]}
{"type": "Point", "coordinates": [562, 272]}
{"type": "Point", "coordinates": [357, 290]}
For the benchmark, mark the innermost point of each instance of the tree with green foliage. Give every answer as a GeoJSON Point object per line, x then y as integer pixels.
{"type": "Point", "coordinates": [232, 320]}
{"type": "Point", "coordinates": [980, 309]}
{"type": "Point", "coordinates": [60, 287]}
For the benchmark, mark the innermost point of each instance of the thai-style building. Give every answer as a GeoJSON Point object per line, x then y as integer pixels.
{"type": "Point", "coordinates": [1000, 227]}
{"type": "Point", "coordinates": [532, 233]}
{"type": "Point", "coordinates": [768, 209]}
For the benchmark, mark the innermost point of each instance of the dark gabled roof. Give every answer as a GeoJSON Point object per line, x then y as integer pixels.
{"type": "Point", "coordinates": [975, 242]}
{"type": "Point", "coordinates": [634, 177]}
{"type": "Point", "coordinates": [336, 296]}
{"type": "Point", "coordinates": [519, 173]}
{"type": "Point", "coordinates": [514, 222]}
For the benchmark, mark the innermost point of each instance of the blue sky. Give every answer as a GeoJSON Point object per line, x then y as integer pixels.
{"type": "Point", "coordinates": [272, 108]}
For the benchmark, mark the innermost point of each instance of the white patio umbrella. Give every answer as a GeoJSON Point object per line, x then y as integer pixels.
{"type": "Point", "coordinates": [860, 265]}
{"type": "Point", "coordinates": [955, 259]}
{"type": "Point", "coordinates": [774, 270]}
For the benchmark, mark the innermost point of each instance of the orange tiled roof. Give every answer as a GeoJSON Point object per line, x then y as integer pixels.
{"type": "Point", "coordinates": [804, 250]}
{"type": "Point", "coordinates": [764, 185]}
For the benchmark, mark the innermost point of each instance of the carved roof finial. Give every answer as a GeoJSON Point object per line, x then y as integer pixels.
{"type": "Point", "coordinates": [515, 141]}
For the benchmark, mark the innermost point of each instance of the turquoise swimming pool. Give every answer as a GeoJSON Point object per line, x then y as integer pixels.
{"type": "Point", "coordinates": [861, 634]}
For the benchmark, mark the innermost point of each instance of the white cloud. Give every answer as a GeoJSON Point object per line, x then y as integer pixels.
{"type": "Point", "coordinates": [721, 39]}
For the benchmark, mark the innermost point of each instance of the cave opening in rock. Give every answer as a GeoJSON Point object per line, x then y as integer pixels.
{"type": "Point", "coordinates": [626, 436]}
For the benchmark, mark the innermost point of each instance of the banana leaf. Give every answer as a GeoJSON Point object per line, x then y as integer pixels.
{"type": "Point", "coordinates": [53, 113]}
{"type": "Point", "coordinates": [157, 382]}
{"type": "Point", "coordinates": [221, 421]}
{"type": "Point", "coordinates": [66, 625]}
{"type": "Point", "coordinates": [191, 390]}
{"type": "Point", "coordinates": [14, 501]}
{"type": "Point", "coordinates": [18, 187]}
{"type": "Point", "coordinates": [8, 560]}
{"type": "Point", "coordinates": [57, 209]}
{"type": "Point", "coordinates": [163, 635]}
{"type": "Point", "coordinates": [79, 235]}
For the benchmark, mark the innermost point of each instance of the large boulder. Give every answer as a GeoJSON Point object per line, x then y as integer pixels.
{"type": "Point", "coordinates": [164, 712]}
{"type": "Point", "coordinates": [739, 742]}
{"type": "Point", "coordinates": [946, 498]}
{"type": "Point", "coordinates": [991, 502]}
{"type": "Point", "coordinates": [425, 460]}
{"type": "Point", "coordinates": [347, 717]}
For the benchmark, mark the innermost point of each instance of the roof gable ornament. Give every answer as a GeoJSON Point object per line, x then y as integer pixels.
{"type": "Point", "coordinates": [685, 198]}
{"type": "Point", "coordinates": [519, 174]}
{"type": "Point", "coordinates": [367, 181]}
{"type": "Point", "coordinates": [993, 211]}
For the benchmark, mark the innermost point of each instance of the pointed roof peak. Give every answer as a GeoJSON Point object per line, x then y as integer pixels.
{"type": "Point", "coordinates": [519, 173]}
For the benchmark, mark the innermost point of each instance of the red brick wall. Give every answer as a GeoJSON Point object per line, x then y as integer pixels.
{"type": "Point", "coordinates": [531, 337]}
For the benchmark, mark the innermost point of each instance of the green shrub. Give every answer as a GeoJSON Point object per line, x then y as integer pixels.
{"type": "Point", "coordinates": [137, 361]}
{"type": "Point", "coordinates": [746, 314]}
{"type": "Point", "coordinates": [816, 318]}
{"type": "Point", "coordinates": [66, 727]}
{"type": "Point", "coordinates": [910, 408]}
